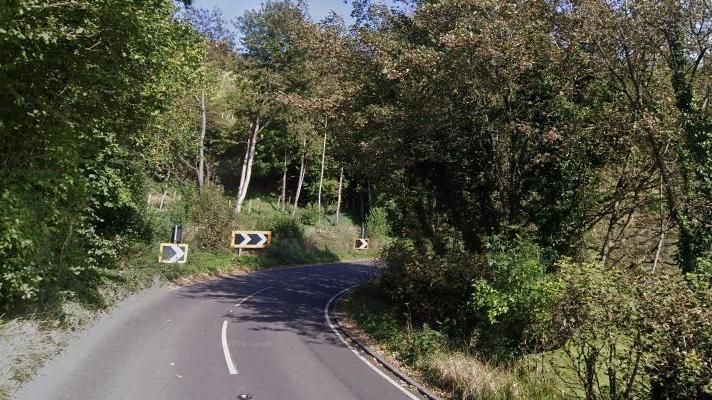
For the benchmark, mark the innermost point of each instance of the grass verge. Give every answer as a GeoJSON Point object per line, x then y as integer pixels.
{"type": "Point", "coordinates": [426, 355]}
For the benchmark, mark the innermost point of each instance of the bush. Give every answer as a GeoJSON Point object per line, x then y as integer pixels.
{"type": "Point", "coordinates": [285, 227]}
{"type": "Point", "coordinates": [628, 334]}
{"type": "Point", "coordinates": [310, 215]}
{"type": "Point", "coordinates": [212, 218]}
{"type": "Point", "coordinates": [515, 291]}
{"type": "Point", "coordinates": [377, 223]}
{"type": "Point", "coordinates": [19, 239]}
{"type": "Point", "coordinates": [380, 319]}
{"type": "Point", "coordinates": [435, 289]}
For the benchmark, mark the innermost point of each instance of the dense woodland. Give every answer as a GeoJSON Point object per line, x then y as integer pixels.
{"type": "Point", "coordinates": [544, 166]}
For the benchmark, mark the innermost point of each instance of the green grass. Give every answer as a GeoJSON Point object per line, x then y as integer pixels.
{"type": "Point", "coordinates": [324, 241]}
{"type": "Point", "coordinates": [453, 370]}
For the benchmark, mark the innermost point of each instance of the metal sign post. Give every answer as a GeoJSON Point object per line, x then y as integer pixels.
{"type": "Point", "coordinates": [174, 252]}
{"type": "Point", "coordinates": [177, 235]}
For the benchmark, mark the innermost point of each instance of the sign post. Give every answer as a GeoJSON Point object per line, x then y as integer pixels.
{"type": "Point", "coordinates": [174, 252]}
{"type": "Point", "coordinates": [177, 235]}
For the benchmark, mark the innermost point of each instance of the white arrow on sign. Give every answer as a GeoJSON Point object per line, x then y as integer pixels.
{"type": "Point", "coordinates": [263, 239]}
{"type": "Point", "coordinates": [245, 239]}
{"type": "Point", "coordinates": [361, 244]}
{"type": "Point", "coordinates": [178, 253]}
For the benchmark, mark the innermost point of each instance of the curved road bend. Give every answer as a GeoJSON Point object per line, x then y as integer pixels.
{"type": "Point", "coordinates": [263, 334]}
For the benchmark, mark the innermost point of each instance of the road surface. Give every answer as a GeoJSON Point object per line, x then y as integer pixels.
{"type": "Point", "coordinates": [262, 336]}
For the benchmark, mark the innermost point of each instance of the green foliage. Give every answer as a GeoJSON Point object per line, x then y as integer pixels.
{"type": "Point", "coordinates": [624, 334]}
{"type": "Point", "coordinates": [378, 318]}
{"type": "Point", "coordinates": [310, 215]}
{"type": "Point", "coordinates": [377, 223]}
{"type": "Point", "coordinates": [426, 350]}
{"type": "Point", "coordinates": [514, 292]}
{"type": "Point", "coordinates": [19, 239]}
{"type": "Point", "coordinates": [212, 218]}
{"type": "Point", "coordinates": [85, 83]}
{"type": "Point", "coordinates": [434, 289]}
{"type": "Point", "coordinates": [285, 227]}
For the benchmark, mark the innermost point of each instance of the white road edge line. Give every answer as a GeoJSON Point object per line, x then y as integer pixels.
{"type": "Point", "coordinates": [226, 350]}
{"type": "Point", "coordinates": [373, 367]}
{"type": "Point", "coordinates": [250, 296]}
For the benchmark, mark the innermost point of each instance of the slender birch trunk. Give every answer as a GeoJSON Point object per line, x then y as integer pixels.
{"type": "Point", "coordinates": [284, 182]}
{"type": "Point", "coordinates": [245, 162]}
{"type": "Point", "coordinates": [302, 171]}
{"type": "Point", "coordinates": [338, 200]}
{"type": "Point", "coordinates": [663, 227]}
{"type": "Point", "coordinates": [247, 166]}
{"type": "Point", "coordinates": [321, 176]}
{"type": "Point", "coordinates": [201, 155]}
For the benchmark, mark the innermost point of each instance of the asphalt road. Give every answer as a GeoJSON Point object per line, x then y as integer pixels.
{"type": "Point", "coordinates": [265, 335]}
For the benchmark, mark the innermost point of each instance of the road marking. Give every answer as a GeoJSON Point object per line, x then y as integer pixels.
{"type": "Point", "coordinates": [250, 296]}
{"type": "Point", "coordinates": [373, 367]}
{"type": "Point", "coordinates": [228, 359]}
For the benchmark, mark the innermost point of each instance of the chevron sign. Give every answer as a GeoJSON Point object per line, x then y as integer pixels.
{"type": "Point", "coordinates": [173, 253]}
{"type": "Point", "coordinates": [251, 239]}
{"type": "Point", "coordinates": [361, 244]}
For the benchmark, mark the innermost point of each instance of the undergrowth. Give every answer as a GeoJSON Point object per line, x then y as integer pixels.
{"type": "Point", "coordinates": [442, 364]}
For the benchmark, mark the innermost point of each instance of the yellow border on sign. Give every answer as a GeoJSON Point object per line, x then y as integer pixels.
{"type": "Point", "coordinates": [181, 245]}
{"type": "Point", "coordinates": [251, 246]}
{"type": "Point", "coordinates": [356, 241]}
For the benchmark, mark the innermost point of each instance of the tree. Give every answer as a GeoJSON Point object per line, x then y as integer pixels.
{"type": "Point", "coordinates": [88, 84]}
{"type": "Point", "coordinates": [268, 53]}
{"type": "Point", "coordinates": [217, 60]}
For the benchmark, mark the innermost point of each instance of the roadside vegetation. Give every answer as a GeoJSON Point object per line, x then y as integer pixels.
{"type": "Point", "coordinates": [538, 175]}
{"type": "Point", "coordinates": [36, 333]}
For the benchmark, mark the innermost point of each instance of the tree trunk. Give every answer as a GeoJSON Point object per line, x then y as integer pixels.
{"type": "Point", "coordinates": [321, 176]}
{"type": "Point", "coordinates": [338, 200]}
{"type": "Point", "coordinates": [618, 194]}
{"type": "Point", "coordinates": [243, 174]}
{"type": "Point", "coordinates": [284, 182]}
{"type": "Point", "coordinates": [659, 248]}
{"type": "Point", "coordinates": [686, 253]}
{"type": "Point", "coordinates": [247, 165]}
{"type": "Point", "coordinates": [201, 154]}
{"type": "Point", "coordinates": [302, 171]}
{"type": "Point", "coordinates": [696, 126]}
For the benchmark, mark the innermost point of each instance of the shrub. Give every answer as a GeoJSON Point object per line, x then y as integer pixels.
{"type": "Point", "coordinates": [377, 223]}
{"type": "Point", "coordinates": [310, 215]}
{"type": "Point", "coordinates": [631, 334]}
{"type": "Point", "coordinates": [212, 218]}
{"type": "Point", "coordinates": [435, 289]}
{"type": "Point", "coordinates": [514, 291]}
{"type": "Point", "coordinates": [285, 227]}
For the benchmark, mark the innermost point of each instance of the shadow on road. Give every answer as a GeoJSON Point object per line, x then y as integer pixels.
{"type": "Point", "coordinates": [294, 301]}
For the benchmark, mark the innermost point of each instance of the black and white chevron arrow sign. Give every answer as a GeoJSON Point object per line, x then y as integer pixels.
{"type": "Point", "coordinates": [251, 239]}
{"type": "Point", "coordinates": [361, 244]}
{"type": "Point", "coordinates": [172, 253]}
